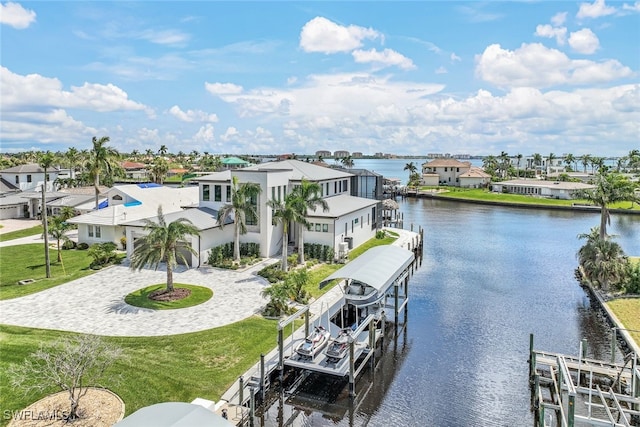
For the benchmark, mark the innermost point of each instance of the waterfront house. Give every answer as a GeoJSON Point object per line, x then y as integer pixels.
{"type": "Point", "coordinates": [125, 203]}
{"type": "Point", "coordinates": [538, 188]}
{"type": "Point", "coordinates": [448, 171]}
{"type": "Point", "coordinates": [135, 171]}
{"type": "Point", "coordinates": [29, 177]}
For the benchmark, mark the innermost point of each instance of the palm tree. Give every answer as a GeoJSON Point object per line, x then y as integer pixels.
{"type": "Point", "coordinates": [537, 160]}
{"type": "Point", "coordinates": [102, 159]}
{"type": "Point", "coordinates": [241, 206]}
{"type": "Point", "coordinates": [58, 228]}
{"type": "Point", "coordinates": [159, 169]}
{"type": "Point", "coordinates": [161, 245]}
{"type": "Point", "coordinates": [597, 163]}
{"type": "Point", "coordinates": [633, 163]}
{"type": "Point", "coordinates": [569, 159]}
{"type": "Point", "coordinates": [519, 157]}
{"type": "Point", "coordinates": [45, 161]}
{"type": "Point", "coordinates": [490, 165]}
{"type": "Point", "coordinates": [306, 197]}
{"type": "Point", "coordinates": [603, 260]}
{"type": "Point", "coordinates": [72, 156]}
{"type": "Point", "coordinates": [550, 160]}
{"type": "Point", "coordinates": [163, 150]}
{"type": "Point", "coordinates": [347, 162]}
{"type": "Point", "coordinates": [585, 159]}
{"type": "Point", "coordinates": [609, 188]}
{"type": "Point", "coordinates": [285, 212]}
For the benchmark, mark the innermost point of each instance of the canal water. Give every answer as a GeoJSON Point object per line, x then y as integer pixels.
{"type": "Point", "coordinates": [490, 277]}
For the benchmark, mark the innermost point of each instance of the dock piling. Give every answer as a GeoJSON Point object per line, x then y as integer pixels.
{"type": "Point", "coordinates": [614, 340]}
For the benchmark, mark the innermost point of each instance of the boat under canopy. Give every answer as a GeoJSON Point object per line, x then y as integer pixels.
{"type": "Point", "coordinates": [377, 268]}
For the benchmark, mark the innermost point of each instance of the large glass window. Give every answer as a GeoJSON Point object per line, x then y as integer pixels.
{"type": "Point", "coordinates": [217, 193]}
{"type": "Point", "coordinates": [28, 178]}
{"type": "Point", "coordinates": [90, 228]}
{"type": "Point", "coordinates": [325, 228]}
{"type": "Point", "coordinates": [205, 193]}
{"type": "Point", "coordinates": [228, 193]}
{"type": "Point", "coordinates": [318, 226]}
{"type": "Point", "coordinates": [345, 186]}
{"type": "Point", "coordinates": [98, 232]}
{"type": "Point", "coordinates": [252, 219]}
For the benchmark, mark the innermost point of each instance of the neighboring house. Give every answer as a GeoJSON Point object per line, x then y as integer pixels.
{"type": "Point", "coordinates": [550, 189]}
{"type": "Point", "coordinates": [475, 177]}
{"type": "Point", "coordinates": [364, 183]}
{"type": "Point", "coordinates": [29, 177]}
{"type": "Point", "coordinates": [447, 169]}
{"type": "Point", "coordinates": [126, 203]}
{"type": "Point", "coordinates": [234, 163]}
{"type": "Point", "coordinates": [13, 205]}
{"type": "Point", "coordinates": [135, 170]}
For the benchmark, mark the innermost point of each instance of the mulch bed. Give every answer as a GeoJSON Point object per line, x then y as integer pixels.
{"type": "Point", "coordinates": [166, 296]}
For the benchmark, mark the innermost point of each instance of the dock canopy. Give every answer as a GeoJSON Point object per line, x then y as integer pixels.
{"type": "Point", "coordinates": [378, 267]}
{"type": "Point", "coordinates": [173, 414]}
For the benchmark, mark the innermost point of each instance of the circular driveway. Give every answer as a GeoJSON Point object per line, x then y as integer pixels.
{"type": "Point", "coordinates": [95, 304]}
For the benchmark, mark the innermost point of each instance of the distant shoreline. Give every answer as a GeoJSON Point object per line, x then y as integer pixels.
{"type": "Point", "coordinates": [592, 209]}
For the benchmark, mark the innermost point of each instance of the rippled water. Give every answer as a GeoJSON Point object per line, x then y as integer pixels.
{"type": "Point", "coordinates": [491, 275]}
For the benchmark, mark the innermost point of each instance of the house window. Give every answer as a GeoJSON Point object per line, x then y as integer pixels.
{"type": "Point", "coordinates": [321, 190]}
{"type": "Point", "coordinates": [356, 220]}
{"type": "Point", "coordinates": [335, 187]}
{"type": "Point", "coordinates": [445, 169]}
{"type": "Point", "coordinates": [28, 178]}
{"type": "Point", "coordinates": [344, 185]}
{"type": "Point", "coordinates": [325, 228]}
{"type": "Point", "coordinates": [457, 169]}
{"type": "Point", "coordinates": [318, 226]}
{"type": "Point", "coordinates": [90, 228]}
{"type": "Point", "coordinates": [346, 228]}
{"type": "Point", "coordinates": [228, 193]}
{"type": "Point", "coordinates": [352, 226]}
{"type": "Point", "coordinates": [279, 195]}
{"type": "Point", "coordinates": [98, 233]}
{"type": "Point", "coordinates": [252, 219]}
{"type": "Point", "coordinates": [205, 193]}
{"type": "Point", "coordinates": [48, 179]}
{"type": "Point", "coordinates": [117, 197]}
{"type": "Point", "coordinates": [361, 222]}
{"type": "Point", "coordinates": [217, 193]}
{"type": "Point", "coordinates": [327, 188]}
{"type": "Point", "coordinates": [17, 179]}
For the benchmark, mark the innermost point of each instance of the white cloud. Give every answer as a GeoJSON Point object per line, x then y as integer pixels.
{"type": "Point", "coordinates": [36, 91]}
{"type": "Point", "coordinates": [584, 41]}
{"type": "Point", "coordinates": [546, 30]}
{"type": "Point", "coordinates": [634, 7]}
{"type": "Point", "coordinates": [559, 19]}
{"type": "Point", "coordinates": [192, 115]}
{"type": "Point", "coordinates": [229, 134]}
{"type": "Point", "coordinates": [455, 58]}
{"type": "Point", "coordinates": [165, 37]}
{"type": "Point", "coordinates": [14, 15]}
{"type": "Point", "coordinates": [205, 134]}
{"type": "Point", "coordinates": [323, 35]}
{"type": "Point", "coordinates": [387, 57]}
{"type": "Point", "coordinates": [222, 88]}
{"type": "Point", "coordinates": [441, 70]}
{"type": "Point", "coordinates": [595, 10]}
{"type": "Point", "coordinates": [535, 65]}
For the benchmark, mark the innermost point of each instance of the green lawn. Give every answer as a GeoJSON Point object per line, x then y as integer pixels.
{"type": "Point", "coordinates": [628, 311]}
{"type": "Point", "coordinates": [489, 196]}
{"type": "Point", "coordinates": [154, 369]}
{"type": "Point", "coordinates": [140, 298]}
{"type": "Point", "coordinates": [21, 233]}
{"type": "Point", "coordinates": [27, 262]}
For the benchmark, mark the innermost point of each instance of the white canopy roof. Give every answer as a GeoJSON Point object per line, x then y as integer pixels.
{"type": "Point", "coordinates": [377, 267]}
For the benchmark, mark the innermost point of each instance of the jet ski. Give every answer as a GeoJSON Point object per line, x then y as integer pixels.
{"type": "Point", "coordinates": [314, 343]}
{"type": "Point", "coordinates": [339, 346]}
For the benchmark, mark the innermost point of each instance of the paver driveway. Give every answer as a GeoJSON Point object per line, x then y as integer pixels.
{"type": "Point", "coordinates": [95, 304]}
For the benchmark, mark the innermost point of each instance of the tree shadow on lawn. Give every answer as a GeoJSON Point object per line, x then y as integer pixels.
{"type": "Point", "coordinates": [119, 306]}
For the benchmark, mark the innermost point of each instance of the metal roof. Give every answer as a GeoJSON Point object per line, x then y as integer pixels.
{"type": "Point", "coordinates": [342, 204]}
{"type": "Point", "coordinates": [202, 218]}
{"type": "Point", "coordinates": [377, 267]}
{"type": "Point", "coordinates": [173, 414]}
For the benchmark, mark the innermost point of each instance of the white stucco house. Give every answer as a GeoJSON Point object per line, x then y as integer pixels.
{"type": "Point", "coordinates": [29, 177]}
{"type": "Point", "coordinates": [538, 188]}
{"type": "Point", "coordinates": [351, 220]}
{"type": "Point", "coordinates": [448, 171]}
{"type": "Point", "coordinates": [125, 203]}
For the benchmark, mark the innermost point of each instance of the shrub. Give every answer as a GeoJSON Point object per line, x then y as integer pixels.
{"type": "Point", "coordinates": [83, 246]}
{"type": "Point", "coordinates": [632, 284]}
{"type": "Point", "coordinates": [381, 234]}
{"type": "Point", "coordinates": [222, 256]}
{"type": "Point", "coordinates": [103, 254]}
{"type": "Point", "coordinates": [273, 273]}
{"type": "Point", "coordinates": [68, 244]}
{"type": "Point", "coordinates": [292, 260]}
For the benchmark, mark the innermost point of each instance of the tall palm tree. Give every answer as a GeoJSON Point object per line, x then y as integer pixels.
{"type": "Point", "coordinates": [72, 156]}
{"type": "Point", "coordinates": [161, 245]}
{"type": "Point", "coordinates": [159, 169]}
{"type": "Point", "coordinates": [285, 212]}
{"type": "Point", "coordinates": [585, 159]}
{"type": "Point", "coordinates": [537, 161]}
{"type": "Point", "coordinates": [609, 188]}
{"type": "Point", "coordinates": [633, 163]}
{"type": "Point", "coordinates": [45, 161]}
{"type": "Point", "coordinates": [490, 164]}
{"type": "Point", "coordinates": [570, 159]}
{"type": "Point", "coordinates": [240, 208]}
{"type": "Point", "coordinates": [102, 159]}
{"type": "Point", "coordinates": [58, 228]}
{"type": "Point", "coordinates": [519, 157]}
{"type": "Point", "coordinates": [603, 260]}
{"type": "Point", "coordinates": [163, 150]}
{"type": "Point", "coordinates": [550, 160]}
{"type": "Point", "coordinates": [347, 162]}
{"type": "Point", "coordinates": [597, 163]}
{"type": "Point", "coordinates": [306, 197]}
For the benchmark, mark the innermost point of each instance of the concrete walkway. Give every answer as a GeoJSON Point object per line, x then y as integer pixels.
{"type": "Point", "coordinates": [95, 304]}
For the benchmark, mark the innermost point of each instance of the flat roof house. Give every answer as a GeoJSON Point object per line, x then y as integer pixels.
{"type": "Point", "coordinates": [550, 189]}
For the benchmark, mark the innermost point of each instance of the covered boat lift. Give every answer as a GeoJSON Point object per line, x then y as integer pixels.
{"type": "Point", "coordinates": [367, 283]}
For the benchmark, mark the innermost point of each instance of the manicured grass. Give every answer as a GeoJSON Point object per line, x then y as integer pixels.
{"type": "Point", "coordinates": [322, 271]}
{"type": "Point", "coordinates": [26, 232]}
{"type": "Point", "coordinates": [628, 311]}
{"type": "Point", "coordinates": [154, 369]}
{"type": "Point", "coordinates": [27, 262]}
{"type": "Point", "coordinates": [489, 196]}
{"type": "Point", "coordinates": [140, 298]}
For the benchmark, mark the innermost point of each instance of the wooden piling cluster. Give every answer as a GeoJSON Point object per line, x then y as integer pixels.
{"type": "Point", "coordinates": [562, 386]}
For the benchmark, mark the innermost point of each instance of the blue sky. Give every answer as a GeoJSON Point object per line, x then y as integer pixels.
{"type": "Point", "coordinates": [297, 77]}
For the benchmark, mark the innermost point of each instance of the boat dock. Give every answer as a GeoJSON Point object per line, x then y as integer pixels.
{"type": "Point", "coordinates": [367, 316]}
{"type": "Point", "coordinates": [566, 390]}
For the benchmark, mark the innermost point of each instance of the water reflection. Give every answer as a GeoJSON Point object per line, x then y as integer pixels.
{"type": "Point", "coordinates": [490, 277]}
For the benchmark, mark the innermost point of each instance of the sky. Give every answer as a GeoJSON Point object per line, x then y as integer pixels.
{"type": "Point", "coordinates": [274, 77]}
